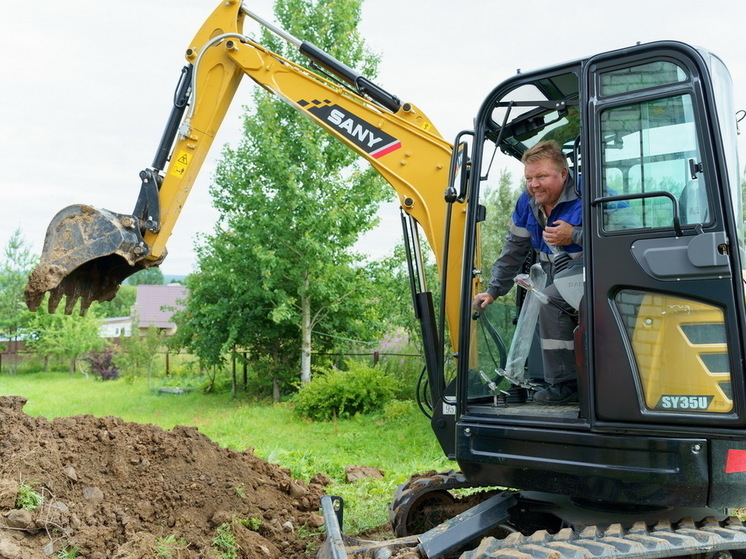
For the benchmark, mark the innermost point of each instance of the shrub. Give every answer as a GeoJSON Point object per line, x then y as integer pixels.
{"type": "Point", "coordinates": [102, 364]}
{"type": "Point", "coordinates": [406, 370]}
{"type": "Point", "coordinates": [341, 394]}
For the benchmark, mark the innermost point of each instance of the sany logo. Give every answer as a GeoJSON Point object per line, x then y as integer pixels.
{"type": "Point", "coordinates": [368, 138]}
{"type": "Point", "coordinates": [354, 129]}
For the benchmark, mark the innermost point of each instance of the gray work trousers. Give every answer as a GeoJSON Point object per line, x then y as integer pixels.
{"type": "Point", "coordinates": [556, 332]}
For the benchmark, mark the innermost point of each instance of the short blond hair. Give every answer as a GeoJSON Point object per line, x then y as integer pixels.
{"type": "Point", "coordinates": [546, 150]}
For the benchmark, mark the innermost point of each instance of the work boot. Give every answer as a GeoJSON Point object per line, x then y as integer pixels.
{"type": "Point", "coordinates": [558, 394]}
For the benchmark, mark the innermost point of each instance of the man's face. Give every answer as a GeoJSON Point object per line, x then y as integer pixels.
{"type": "Point", "coordinates": [544, 182]}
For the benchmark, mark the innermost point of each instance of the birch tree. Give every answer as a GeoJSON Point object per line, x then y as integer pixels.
{"type": "Point", "coordinates": [293, 202]}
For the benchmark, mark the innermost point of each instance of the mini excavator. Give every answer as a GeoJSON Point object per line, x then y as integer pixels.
{"type": "Point", "coordinates": [652, 459]}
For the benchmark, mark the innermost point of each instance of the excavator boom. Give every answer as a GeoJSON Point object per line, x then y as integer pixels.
{"type": "Point", "coordinates": [88, 252]}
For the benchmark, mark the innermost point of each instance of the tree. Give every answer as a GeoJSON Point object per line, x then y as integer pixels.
{"type": "Point", "coordinates": [293, 202]}
{"type": "Point", "coordinates": [16, 264]}
{"type": "Point", "coordinates": [499, 202]}
{"type": "Point", "coordinates": [69, 337]}
{"type": "Point", "coordinates": [391, 288]}
{"type": "Point", "coordinates": [138, 351]}
{"type": "Point", "coordinates": [120, 305]}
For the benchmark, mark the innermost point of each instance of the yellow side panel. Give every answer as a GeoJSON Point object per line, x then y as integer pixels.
{"type": "Point", "coordinates": [681, 352]}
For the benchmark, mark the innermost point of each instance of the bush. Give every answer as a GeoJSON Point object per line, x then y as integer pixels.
{"type": "Point", "coordinates": [342, 394]}
{"type": "Point", "coordinates": [406, 370]}
{"type": "Point", "coordinates": [102, 364]}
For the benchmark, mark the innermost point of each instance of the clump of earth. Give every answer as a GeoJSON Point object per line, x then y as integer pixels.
{"type": "Point", "coordinates": [117, 490]}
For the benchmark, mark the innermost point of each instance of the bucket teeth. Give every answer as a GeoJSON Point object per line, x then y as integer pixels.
{"type": "Point", "coordinates": [55, 296]}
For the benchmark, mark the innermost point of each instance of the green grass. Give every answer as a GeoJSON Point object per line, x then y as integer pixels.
{"type": "Point", "coordinates": [399, 440]}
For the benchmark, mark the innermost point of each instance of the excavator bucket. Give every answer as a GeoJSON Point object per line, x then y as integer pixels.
{"type": "Point", "coordinates": [87, 254]}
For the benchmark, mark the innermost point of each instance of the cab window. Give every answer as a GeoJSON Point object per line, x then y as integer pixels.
{"type": "Point", "coordinates": [650, 153]}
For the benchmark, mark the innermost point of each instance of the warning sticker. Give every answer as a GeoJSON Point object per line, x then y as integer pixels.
{"type": "Point", "coordinates": [181, 163]}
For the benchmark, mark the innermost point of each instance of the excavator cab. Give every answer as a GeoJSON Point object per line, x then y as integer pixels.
{"type": "Point", "coordinates": [650, 135]}
{"type": "Point", "coordinates": [655, 449]}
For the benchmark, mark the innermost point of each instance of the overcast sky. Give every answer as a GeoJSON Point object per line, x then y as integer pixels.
{"type": "Point", "coordinates": [87, 84]}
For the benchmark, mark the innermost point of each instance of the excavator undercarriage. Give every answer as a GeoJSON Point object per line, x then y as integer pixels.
{"type": "Point", "coordinates": [496, 523]}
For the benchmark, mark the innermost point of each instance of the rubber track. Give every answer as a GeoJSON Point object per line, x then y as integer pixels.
{"type": "Point", "coordinates": [638, 542]}
{"type": "Point", "coordinates": [663, 540]}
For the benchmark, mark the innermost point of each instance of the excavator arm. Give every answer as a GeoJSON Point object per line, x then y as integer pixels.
{"type": "Point", "coordinates": [88, 252]}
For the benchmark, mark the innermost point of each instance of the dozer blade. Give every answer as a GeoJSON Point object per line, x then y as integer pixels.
{"type": "Point", "coordinates": [87, 254]}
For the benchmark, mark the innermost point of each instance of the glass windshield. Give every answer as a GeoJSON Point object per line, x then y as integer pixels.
{"type": "Point", "coordinates": [643, 76]}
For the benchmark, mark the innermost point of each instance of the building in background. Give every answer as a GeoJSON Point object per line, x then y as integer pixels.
{"type": "Point", "coordinates": [154, 306]}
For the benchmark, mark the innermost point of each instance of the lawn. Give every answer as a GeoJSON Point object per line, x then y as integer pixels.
{"type": "Point", "coordinates": [398, 440]}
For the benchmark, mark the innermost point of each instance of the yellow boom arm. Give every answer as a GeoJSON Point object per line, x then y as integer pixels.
{"type": "Point", "coordinates": [397, 139]}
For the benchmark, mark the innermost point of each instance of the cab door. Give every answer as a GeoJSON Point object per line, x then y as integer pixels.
{"type": "Point", "coordinates": [664, 299]}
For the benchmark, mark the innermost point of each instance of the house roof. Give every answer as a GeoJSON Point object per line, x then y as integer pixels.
{"type": "Point", "coordinates": [151, 300]}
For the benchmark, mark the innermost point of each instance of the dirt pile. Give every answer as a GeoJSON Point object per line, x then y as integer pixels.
{"type": "Point", "coordinates": [118, 490]}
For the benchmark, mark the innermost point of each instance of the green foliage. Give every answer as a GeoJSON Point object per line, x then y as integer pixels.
{"type": "Point", "coordinates": [314, 535]}
{"type": "Point", "coordinates": [501, 315]}
{"type": "Point", "coordinates": [15, 266]}
{"type": "Point", "coordinates": [65, 336]}
{"type": "Point", "coordinates": [390, 290]}
{"type": "Point", "coordinates": [279, 277]}
{"type": "Point", "coordinates": [224, 542]}
{"type": "Point", "coordinates": [216, 381]}
{"type": "Point", "coordinates": [120, 305]}
{"type": "Point", "coordinates": [252, 523]}
{"type": "Point", "coordinates": [499, 202]}
{"type": "Point", "coordinates": [28, 498]}
{"type": "Point", "coordinates": [402, 359]}
{"type": "Point", "coordinates": [340, 394]}
{"type": "Point", "coordinates": [137, 352]}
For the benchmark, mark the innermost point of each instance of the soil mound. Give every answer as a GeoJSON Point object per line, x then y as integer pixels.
{"type": "Point", "coordinates": [118, 490]}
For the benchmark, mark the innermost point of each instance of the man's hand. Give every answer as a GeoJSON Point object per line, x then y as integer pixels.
{"type": "Point", "coordinates": [560, 234]}
{"type": "Point", "coordinates": [481, 300]}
